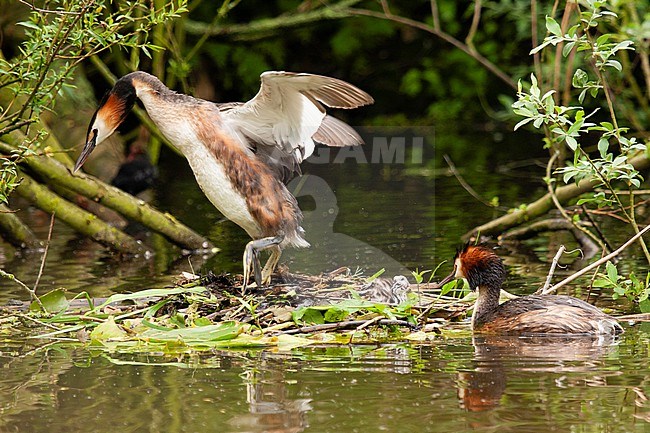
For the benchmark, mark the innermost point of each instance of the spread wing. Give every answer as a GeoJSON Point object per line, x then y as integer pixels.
{"type": "Point", "coordinates": [288, 114]}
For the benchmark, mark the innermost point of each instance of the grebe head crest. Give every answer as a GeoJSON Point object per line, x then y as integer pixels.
{"type": "Point", "coordinates": [480, 266]}
{"type": "Point", "coordinates": [112, 111]}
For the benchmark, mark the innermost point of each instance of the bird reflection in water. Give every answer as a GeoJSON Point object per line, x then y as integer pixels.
{"type": "Point", "coordinates": [269, 408]}
{"type": "Point", "coordinates": [482, 388]}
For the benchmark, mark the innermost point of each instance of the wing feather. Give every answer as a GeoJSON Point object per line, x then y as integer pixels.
{"type": "Point", "coordinates": [333, 132]}
{"type": "Point", "coordinates": [285, 117]}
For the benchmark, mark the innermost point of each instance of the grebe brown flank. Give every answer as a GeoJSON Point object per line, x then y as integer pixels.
{"type": "Point", "coordinates": [534, 314]}
{"type": "Point", "coordinates": [241, 153]}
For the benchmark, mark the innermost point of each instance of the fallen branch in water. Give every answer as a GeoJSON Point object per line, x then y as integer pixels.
{"type": "Point", "coordinates": [57, 173]}
{"type": "Point", "coordinates": [82, 221]}
{"type": "Point", "coordinates": [553, 224]}
{"type": "Point", "coordinates": [14, 231]}
{"type": "Point", "coordinates": [544, 204]}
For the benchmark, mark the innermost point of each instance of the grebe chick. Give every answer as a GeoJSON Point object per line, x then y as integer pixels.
{"type": "Point", "coordinates": [534, 314]}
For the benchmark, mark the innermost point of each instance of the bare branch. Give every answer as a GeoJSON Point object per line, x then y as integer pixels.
{"type": "Point", "coordinates": [551, 271]}
{"type": "Point", "coordinates": [467, 186]}
{"type": "Point", "coordinates": [435, 15]}
{"type": "Point", "coordinates": [47, 247]}
{"type": "Point", "coordinates": [598, 262]}
{"type": "Point", "coordinates": [476, 19]}
{"type": "Point", "coordinates": [487, 64]}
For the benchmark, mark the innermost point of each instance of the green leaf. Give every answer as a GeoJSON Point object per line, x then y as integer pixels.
{"type": "Point", "coordinates": [539, 48]}
{"type": "Point", "coordinates": [522, 123]}
{"type": "Point", "coordinates": [534, 89]}
{"type": "Point", "coordinates": [601, 283]}
{"type": "Point", "coordinates": [218, 332]}
{"type": "Point", "coordinates": [53, 302]}
{"type": "Point", "coordinates": [603, 146]}
{"type": "Point", "coordinates": [607, 125]}
{"type": "Point", "coordinates": [308, 315]}
{"type": "Point", "coordinates": [336, 315]}
{"type": "Point", "coordinates": [153, 325]}
{"type": "Point", "coordinates": [29, 25]}
{"type": "Point", "coordinates": [582, 95]}
{"type": "Point", "coordinates": [625, 45]}
{"type": "Point", "coordinates": [571, 142]}
{"type": "Point", "coordinates": [447, 288]}
{"type": "Point", "coordinates": [568, 175]}
{"type": "Point", "coordinates": [602, 39]}
{"type": "Point", "coordinates": [567, 48]}
{"type": "Point", "coordinates": [150, 293]}
{"type": "Point", "coordinates": [376, 275]}
{"type": "Point", "coordinates": [580, 78]}
{"type": "Point", "coordinates": [107, 330]}
{"type": "Point", "coordinates": [612, 272]}
{"type": "Point", "coordinates": [553, 27]}
{"type": "Point", "coordinates": [644, 306]}
{"type": "Point", "coordinates": [615, 64]}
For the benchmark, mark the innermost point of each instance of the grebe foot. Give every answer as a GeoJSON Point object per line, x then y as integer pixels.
{"type": "Point", "coordinates": [271, 263]}
{"type": "Point", "coordinates": [251, 263]}
{"type": "Point", "coordinates": [251, 259]}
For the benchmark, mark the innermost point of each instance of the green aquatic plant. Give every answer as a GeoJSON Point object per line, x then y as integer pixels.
{"type": "Point", "coordinates": [632, 288]}
{"type": "Point", "coordinates": [210, 313]}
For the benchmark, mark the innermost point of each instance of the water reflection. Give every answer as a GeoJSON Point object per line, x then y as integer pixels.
{"type": "Point", "coordinates": [270, 408]}
{"type": "Point", "coordinates": [497, 356]}
{"type": "Point", "coordinates": [450, 384]}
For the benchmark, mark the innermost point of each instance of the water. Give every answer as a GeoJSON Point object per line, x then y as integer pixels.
{"type": "Point", "coordinates": [450, 384]}
{"type": "Point", "coordinates": [394, 216]}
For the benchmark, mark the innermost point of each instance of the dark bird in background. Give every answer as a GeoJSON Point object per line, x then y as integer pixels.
{"type": "Point", "coordinates": [241, 153]}
{"type": "Point", "coordinates": [136, 173]}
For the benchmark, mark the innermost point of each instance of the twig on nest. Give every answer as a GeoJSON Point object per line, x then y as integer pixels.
{"type": "Point", "coordinates": [343, 325]}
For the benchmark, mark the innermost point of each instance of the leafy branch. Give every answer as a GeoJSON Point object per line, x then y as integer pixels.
{"type": "Point", "coordinates": [569, 124]}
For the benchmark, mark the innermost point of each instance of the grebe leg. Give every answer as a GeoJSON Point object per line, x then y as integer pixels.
{"type": "Point", "coordinates": [271, 264]}
{"type": "Point", "coordinates": [252, 261]}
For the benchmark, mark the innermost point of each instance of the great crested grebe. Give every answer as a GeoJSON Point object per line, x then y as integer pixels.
{"type": "Point", "coordinates": [534, 314]}
{"type": "Point", "coordinates": [241, 153]}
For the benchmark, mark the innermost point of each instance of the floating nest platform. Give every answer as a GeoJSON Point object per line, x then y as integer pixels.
{"type": "Point", "coordinates": [203, 312]}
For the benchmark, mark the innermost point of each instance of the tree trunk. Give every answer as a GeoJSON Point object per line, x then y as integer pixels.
{"type": "Point", "coordinates": [82, 221]}
{"type": "Point", "coordinates": [14, 231]}
{"type": "Point", "coordinates": [544, 204]}
{"type": "Point", "coordinates": [135, 209]}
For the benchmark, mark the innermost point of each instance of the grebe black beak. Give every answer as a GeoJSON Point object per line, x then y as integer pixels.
{"type": "Point", "coordinates": [112, 111]}
{"type": "Point", "coordinates": [448, 278]}
{"type": "Point", "coordinates": [87, 150]}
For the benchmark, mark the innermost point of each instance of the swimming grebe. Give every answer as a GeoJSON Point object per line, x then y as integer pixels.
{"type": "Point", "coordinates": [241, 153]}
{"type": "Point", "coordinates": [534, 314]}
